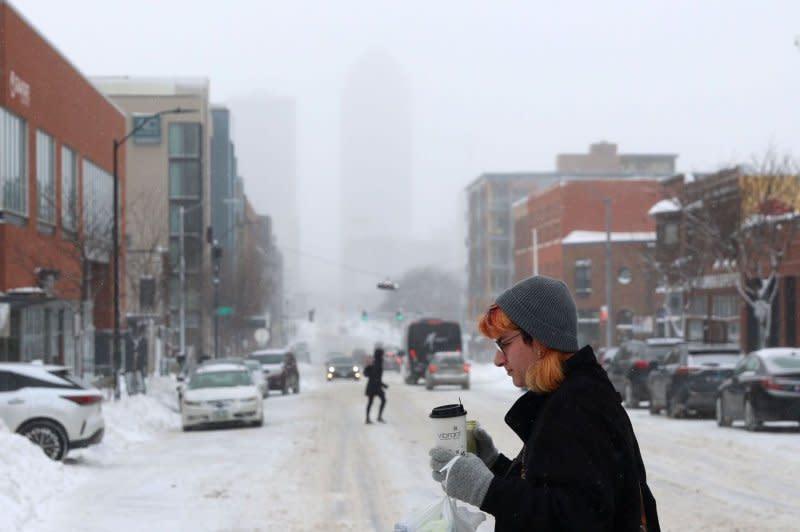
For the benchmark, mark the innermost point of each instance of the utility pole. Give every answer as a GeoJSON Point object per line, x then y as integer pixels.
{"type": "Point", "coordinates": [182, 287]}
{"type": "Point", "coordinates": [609, 277]}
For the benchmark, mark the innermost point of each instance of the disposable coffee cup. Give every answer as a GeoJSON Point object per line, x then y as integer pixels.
{"type": "Point", "coordinates": [450, 427]}
{"type": "Point", "coordinates": [471, 426]}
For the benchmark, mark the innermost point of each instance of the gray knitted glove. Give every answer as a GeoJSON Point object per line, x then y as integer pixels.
{"type": "Point", "coordinates": [468, 479]}
{"type": "Point", "coordinates": [485, 448]}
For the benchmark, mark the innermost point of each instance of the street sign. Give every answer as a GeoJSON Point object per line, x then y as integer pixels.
{"type": "Point", "coordinates": [224, 311]}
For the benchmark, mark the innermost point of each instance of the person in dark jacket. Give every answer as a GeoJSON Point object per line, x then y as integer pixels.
{"type": "Point", "coordinates": [579, 467]}
{"type": "Point", "coordinates": [375, 385]}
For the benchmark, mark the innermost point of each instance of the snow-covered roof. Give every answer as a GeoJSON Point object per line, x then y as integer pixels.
{"type": "Point", "coordinates": [593, 237]}
{"type": "Point", "coordinates": [664, 206]}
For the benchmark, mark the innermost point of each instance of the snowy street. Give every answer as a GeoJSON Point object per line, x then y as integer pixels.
{"type": "Point", "coordinates": [315, 465]}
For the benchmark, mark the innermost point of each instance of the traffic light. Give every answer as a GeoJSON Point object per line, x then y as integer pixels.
{"type": "Point", "coordinates": [398, 315]}
{"type": "Point", "coordinates": [364, 315]}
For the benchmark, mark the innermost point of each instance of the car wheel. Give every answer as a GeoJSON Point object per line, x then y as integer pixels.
{"type": "Point", "coordinates": [630, 398]}
{"type": "Point", "coordinates": [411, 380]}
{"type": "Point", "coordinates": [652, 408]}
{"type": "Point", "coordinates": [751, 421]}
{"type": "Point", "coordinates": [428, 385]}
{"type": "Point", "coordinates": [260, 422]}
{"type": "Point", "coordinates": [465, 386]}
{"type": "Point", "coordinates": [49, 436]}
{"type": "Point", "coordinates": [722, 419]}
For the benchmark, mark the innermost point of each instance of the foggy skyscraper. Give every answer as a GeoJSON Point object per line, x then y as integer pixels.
{"type": "Point", "coordinates": [376, 172]}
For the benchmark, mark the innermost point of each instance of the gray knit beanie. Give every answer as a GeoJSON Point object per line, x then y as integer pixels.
{"type": "Point", "coordinates": [543, 307]}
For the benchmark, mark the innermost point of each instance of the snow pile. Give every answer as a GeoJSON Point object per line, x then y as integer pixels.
{"type": "Point", "coordinates": [30, 478]}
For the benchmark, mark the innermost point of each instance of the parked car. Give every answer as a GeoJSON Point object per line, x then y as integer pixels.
{"type": "Point", "coordinates": [221, 393]}
{"type": "Point", "coordinates": [632, 364]}
{"type": "Point", "coordinates": [447, 367]}
{"type": "Point", "coordinates": [343, 367]}
{"type": "Point", "coordinates": [280, 369]}
{"type": "Point", "coordinates": [51, 408]}
{"type": "Point", "coordinates": [687, 379]}
{"type": "Point", "coordinates": [765, 386]}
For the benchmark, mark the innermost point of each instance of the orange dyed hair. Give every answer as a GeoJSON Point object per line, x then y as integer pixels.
{"type": "Point", "coordinates": [543, 376]}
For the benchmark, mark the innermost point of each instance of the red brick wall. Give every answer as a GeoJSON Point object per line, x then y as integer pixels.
{"type": "Point", "coordinates": [66, 106]}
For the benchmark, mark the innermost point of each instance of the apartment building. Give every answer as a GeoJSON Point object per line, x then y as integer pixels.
{"type": "Point", "coordinates": [168, 203]}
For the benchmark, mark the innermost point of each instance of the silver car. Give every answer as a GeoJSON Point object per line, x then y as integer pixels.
{"type": "Point", "coordinates": [447, 367]}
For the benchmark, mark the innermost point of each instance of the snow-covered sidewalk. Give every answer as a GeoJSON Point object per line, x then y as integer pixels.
{"type": "Point", "coordinates": [30, 478]}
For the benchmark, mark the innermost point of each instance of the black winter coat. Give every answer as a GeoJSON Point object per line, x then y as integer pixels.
{"type": "Point", "coordinates": [580, 459]}
{"type": "Point", "coordinates": [375, 378]}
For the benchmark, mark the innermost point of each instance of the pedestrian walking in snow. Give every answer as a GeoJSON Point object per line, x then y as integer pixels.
{"type": "Point", "coordinates": [579, 467]}
{"type": "Point", "coordinates": [375, 385]}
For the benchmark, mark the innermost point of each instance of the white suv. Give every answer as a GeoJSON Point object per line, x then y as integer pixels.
{"type": "Point", "coordinates": [53, 410]}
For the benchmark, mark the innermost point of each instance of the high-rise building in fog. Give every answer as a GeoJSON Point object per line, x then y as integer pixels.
{"type": "Point", "coordinates": [376, 173]}
{"type": "Point", "coordinates": [265, 129]}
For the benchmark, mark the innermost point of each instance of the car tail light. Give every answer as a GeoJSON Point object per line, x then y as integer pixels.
{"type": "Point", "coordinates": [770, 384]}
{"type": "Point", "coordinates": [432, 368]}
{"type": "Point", "coordinates": [684, 370]}
{"type": "Point", "coordinates": [83, 399]}
{"type": "Point", "coordinates": [413, 354]}
{"type": "Point", "coordinates": [642, 364]}
{"type": "Point", "coordinates": [466, 368]}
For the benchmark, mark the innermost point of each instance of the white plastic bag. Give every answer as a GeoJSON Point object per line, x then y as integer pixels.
{"type": "Point", "coordinates": [443, 515]}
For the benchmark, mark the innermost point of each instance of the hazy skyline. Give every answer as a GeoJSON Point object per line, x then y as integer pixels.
{"type": "Point", "coordinates": [500, 86]}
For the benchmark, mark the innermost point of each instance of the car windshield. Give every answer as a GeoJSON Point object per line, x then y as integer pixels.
{"type": "Point", "coordinates": [268, 358]}
{"type": "Point", "coordinates": [343, 362]}
{"type": "Point", "coordinates": [220, 379]}
{"type": "Point", "coordinates": [252, 365]}
{"type": "Point", "coordinates": [656, 352]}
{"type": "Point", "coordinates": [714, 359]}
{"type": "Point", "coordinates": [782, 364]}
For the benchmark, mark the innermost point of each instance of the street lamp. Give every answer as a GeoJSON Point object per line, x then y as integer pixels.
{"type": "Point", "coordinates": [115, 351]}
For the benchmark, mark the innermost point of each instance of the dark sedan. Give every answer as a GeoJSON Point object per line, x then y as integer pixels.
{"type": "Point", "coordinates": [631, 365]}
{"type": "Point", "coordinates": [688, 378]}
{"type": "Point", "coordinates": [343, 368]}
{"type": "Point", "coordinates": [765, 386]}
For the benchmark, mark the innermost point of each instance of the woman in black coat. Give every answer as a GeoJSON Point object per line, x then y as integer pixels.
{"type": "Point", "coordinates": [375, 385]}
{"type": "Point", "coordinates": [579, 467]}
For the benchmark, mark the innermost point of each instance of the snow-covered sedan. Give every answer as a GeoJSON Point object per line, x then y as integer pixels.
{"type": "Point", "coordinates": [221, 394]}
{"type": "Point", "coordinates": [52, 409]}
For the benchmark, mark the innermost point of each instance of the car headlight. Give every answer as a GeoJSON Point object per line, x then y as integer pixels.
{"type": "Point", "coordinates": [331, 369]}
{"type": "Point", "coordinates": [192, 403]}
{"type": "Point", "coordinates": [355, 368]}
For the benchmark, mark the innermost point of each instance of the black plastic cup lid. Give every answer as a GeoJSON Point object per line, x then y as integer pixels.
{"type": "Point", "coordinates": [445, 411]}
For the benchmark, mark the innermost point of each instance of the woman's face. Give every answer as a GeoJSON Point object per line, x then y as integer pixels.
{"type": "Point", "coordinates": [516, 356]}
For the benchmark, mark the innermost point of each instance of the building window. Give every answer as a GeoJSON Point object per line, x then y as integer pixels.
{"type": "Point", "coordinates": [98, 189]}
{"type": "Point", "coordinates": [698, 306]}
{"type": "Point", "coordinates": [192, 219]}
{"type": "Point", "coordinates": [184, 140]}
{"type": "Point", "coordinates": [671, 233]}
{"type": "Point", "coordinates": [624, 275]}
{"type": "Point", "coordinates": [13, 163]}
{"type": "Point", "coordinates": [583, 277]}
{"type": "Point", "coordinates": [46, 178]}
{"type": "Point", "coordinates": [184, 179]}
{"type": "Point", "coordinates": [69, 189]}
{"type": "Point", "coordinates": [725, 306]}
{"type": "Point", "coordinates": [695, 330]}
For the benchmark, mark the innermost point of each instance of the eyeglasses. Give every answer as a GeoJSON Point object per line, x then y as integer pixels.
{"type": "Point", "coordinates": [504, 343]}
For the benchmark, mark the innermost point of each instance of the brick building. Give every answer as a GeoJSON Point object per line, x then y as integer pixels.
{"type": "Point", "coordinates": [56, 183]}
{"type": "Point", "coordinates": [561, 232]}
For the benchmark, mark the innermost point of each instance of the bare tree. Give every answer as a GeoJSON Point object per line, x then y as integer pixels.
{"type": "Point", "coordinates": [741, 221]}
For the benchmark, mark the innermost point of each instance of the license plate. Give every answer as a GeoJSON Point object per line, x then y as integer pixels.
{"type": "Point", "coordinates": [219, 414]}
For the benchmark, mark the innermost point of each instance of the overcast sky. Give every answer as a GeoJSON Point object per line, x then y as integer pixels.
{"type": "Point", "coordinates": [495, 85]}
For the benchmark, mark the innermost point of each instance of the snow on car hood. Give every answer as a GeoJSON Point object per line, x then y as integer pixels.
{"type": "Point", "coordinates": [210, 394]}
